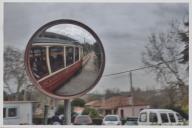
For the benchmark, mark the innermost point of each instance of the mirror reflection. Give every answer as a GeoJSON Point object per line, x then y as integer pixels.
{"type": "Point", "coordinates": [65, 59]}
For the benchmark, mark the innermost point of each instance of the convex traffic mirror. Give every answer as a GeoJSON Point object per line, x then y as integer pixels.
{"type": "Point", "coordinates": [64, 59]}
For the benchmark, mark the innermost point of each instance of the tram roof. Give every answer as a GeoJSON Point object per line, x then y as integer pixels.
{"type": "Point", "coordinates": [50, 37]}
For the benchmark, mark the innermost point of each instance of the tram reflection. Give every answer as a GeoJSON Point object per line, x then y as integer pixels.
{"type": "Point", "coordinates": [65, 59]}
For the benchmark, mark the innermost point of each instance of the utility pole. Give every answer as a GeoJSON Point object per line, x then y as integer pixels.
{"type": "Point", "coordinates": [132, 93]}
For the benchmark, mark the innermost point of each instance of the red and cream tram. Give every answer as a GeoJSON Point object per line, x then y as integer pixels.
{"type": "Point", "coordinates": [52, 64]}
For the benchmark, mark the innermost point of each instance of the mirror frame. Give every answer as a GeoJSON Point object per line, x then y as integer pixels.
{"type": "Point", "coordinates": [45, 27]}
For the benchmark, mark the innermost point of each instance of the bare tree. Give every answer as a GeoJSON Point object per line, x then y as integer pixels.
{"type": "Point", "coordinates": [112, 92]}
{"type": "Point", "coordinates": [184, 37]}
{"type": "Point", "coordinates": [14, 72]}
{"type": "Point", "coordinates": [163, 54]}
{"type": "Point", "coordinates": [170, 93]}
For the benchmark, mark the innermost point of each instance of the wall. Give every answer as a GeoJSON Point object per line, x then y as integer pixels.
{"type": "Point", "coordinates": [128, 111]}
{"type": "Point", "coordinates": [24, 113]}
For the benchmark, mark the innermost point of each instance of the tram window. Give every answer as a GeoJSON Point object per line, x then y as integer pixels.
{"type": "Point", "coordinates": [69, 55]}
{"type": "Point", "coordinates": [56, 58]}
{"type": "Point", "coordinates": [76, 54]}
{"type": "Point", "coordinates": [38, 62]}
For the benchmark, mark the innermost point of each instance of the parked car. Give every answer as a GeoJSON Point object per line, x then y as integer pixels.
{"type": "Point", "coordinates": [83, 120]}
{"type": "Point", "coordinates": [111, 120]}
{"type": "Point", "coordinates": [160, 117]}
{"type": "Point", "coordinates": [131, 121]}
{"type": "Point", "coordinates": [73, 116]}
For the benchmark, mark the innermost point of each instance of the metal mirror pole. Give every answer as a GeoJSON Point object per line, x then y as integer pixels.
{"type": "Point", "coordinates": [45, 114]}
{"type": "Point", "coordinates": [67, 112]}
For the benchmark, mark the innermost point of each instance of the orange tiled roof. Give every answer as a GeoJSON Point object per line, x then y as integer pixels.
{"type": "Point", "coordinates": [114, 102]}
{"type": "Point", "coordinates": [93, 103]}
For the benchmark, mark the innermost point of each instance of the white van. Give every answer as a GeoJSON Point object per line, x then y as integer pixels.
{"type": "Point", "coordinates": [159, 117]}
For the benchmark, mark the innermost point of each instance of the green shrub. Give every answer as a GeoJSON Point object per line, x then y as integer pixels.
{"type": "Point", "coordinates": [97, 121]}
{"type": "Point", "coordinates": [123, 121]}
{"type": "Point", "coordinates": [78, 102]}
{"type": "Point", "coordinates": [91, 112]}
{"type": "Point", "coordinates": [38, 121]}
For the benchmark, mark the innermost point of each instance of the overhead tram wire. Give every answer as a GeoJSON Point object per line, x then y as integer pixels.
{"type": "Point", "coordinates": [140, 68]}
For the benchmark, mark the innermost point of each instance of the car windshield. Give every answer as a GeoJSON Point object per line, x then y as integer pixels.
{"type": "Point", "coordinates": [111, 118]}
{"type": "Point", "coordinates": [180, 118]}
{"type": "Point", "coordinates": [132, 119]}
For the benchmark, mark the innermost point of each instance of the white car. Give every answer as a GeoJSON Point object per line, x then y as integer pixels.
{"type": "Point", "coordinates": [159, 117]}
{"type": "Point", "coordinates": [111, 120]}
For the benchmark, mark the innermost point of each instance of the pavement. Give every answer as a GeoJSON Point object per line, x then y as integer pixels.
{"type": "Point", "coordinates": [83, 80]}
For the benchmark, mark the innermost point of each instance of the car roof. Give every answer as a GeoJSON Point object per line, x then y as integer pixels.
{"type": "Point", "coordinates": [112, 115]}
{"type": "Point", "coordinates": [157, 110]}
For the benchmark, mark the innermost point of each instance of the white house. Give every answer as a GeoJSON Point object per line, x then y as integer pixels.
{"type": "Point", "coordinates": [17, 112]}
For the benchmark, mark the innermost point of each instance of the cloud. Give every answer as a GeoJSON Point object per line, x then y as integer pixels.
{"type": "Point", "coordinates": [123, 28]}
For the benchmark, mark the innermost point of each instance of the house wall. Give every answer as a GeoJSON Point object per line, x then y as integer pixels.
{"type": "Point", "coordinates": [130, 111]}
{"type": "Point", "coordinates": [78, 110]}
{"type": "Point", "coordinates": [24, 114]}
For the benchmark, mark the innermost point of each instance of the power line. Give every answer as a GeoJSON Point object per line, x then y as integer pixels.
{"type": "Point", "coordinates": [140, 68]}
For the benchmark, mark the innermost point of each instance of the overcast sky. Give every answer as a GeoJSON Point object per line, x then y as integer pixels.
{"type": "Point", "coordinates": [73, 31]}
{"type": "Point", "coordinates": [123, 29]}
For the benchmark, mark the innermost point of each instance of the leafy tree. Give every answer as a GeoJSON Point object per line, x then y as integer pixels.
{"type": "Point", "coordinates": [60, 109]}
{"type": "Point", "coordinates": [86, 48]}
{"type": "Point", "coordinates": [112, 92]}
{"type": "Point", "coordinates": [97, 50]}
{"type": "Point", "coordinates": [5, 95]}
{"type": "Point", "coordinates": [91, 112]}
{"type": "Point", "coordinates": [78, 102]}
{"type": "Point", "coordinates": [179, 110]}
